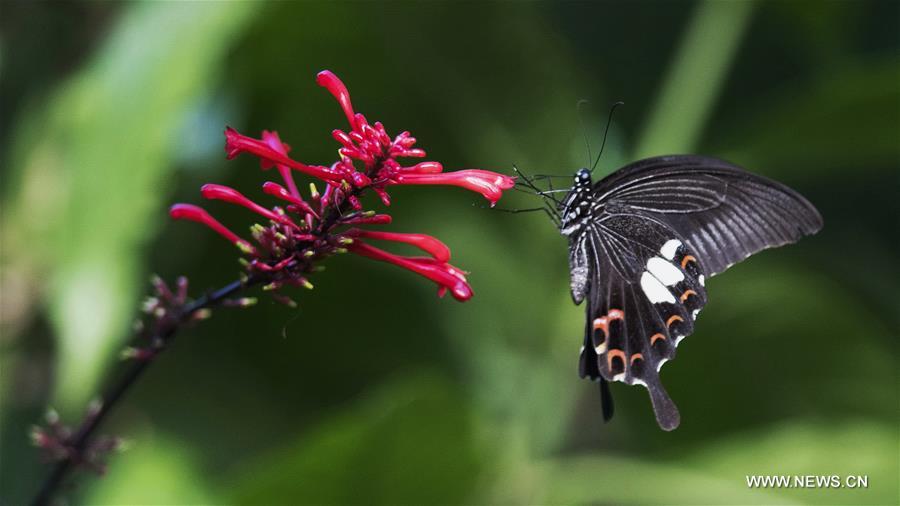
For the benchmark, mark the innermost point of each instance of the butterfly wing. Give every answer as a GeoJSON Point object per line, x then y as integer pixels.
{"type": "Point", "coordinates": [646, 291]}
{"type": "Point", "coordinates": [723, 212]}
{"type": "Point", "coordinates": [659, 227]}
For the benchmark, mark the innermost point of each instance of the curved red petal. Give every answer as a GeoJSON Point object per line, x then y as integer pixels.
{"type": "Point", "coordinates": [219, 192]}
{"type": "Point", "coordinates": [445, 275]}
{"type": "Point", "coordinates": [199, 215]}
{"type": "Point", "coordinates": [336, 87]}
{"type": "Point", "coordinates": [237, 143]}
{"type": "Point", "coordinates": [431, 245]}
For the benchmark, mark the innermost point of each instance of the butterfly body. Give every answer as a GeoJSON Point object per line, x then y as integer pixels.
{"type": "Point", "coordinates": [643, 241]}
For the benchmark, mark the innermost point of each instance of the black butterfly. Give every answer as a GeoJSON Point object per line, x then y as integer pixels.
{"type": "Point", "coordinates": [642, 242]}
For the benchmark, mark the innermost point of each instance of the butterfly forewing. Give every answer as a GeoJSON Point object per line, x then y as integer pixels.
{"type": "Point", "coordinates": [723, 212]}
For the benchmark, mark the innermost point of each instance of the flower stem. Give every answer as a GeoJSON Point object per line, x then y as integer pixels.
{"type": "Point", "coordinates": [117, 390]}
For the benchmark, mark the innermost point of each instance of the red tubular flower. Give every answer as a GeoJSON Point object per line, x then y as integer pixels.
{"type": "Point", "coordinates": [219, 192]}
{"type": "Point", "coordinates": [489, 184]}
{"type": "Point", "coordinates": [199, 215]}
{"type": "Point", "coordinates": [279, 191]}
{"type": "Point", "coordinates": [305, 232]}
{"type": "Point", "coordinates": [330, 82]}
{"type": "Point", "coordinates": [426, 243]}
{"type": "Point", "coordinates": [274, 141]}
{"type": "Point", "coordinates": [236, 143]}
{"type": "Point", "coordinates": [445, 275]}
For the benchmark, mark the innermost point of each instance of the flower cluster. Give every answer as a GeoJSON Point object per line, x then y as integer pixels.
{"type": "Point", "coordinates": [303, 231]}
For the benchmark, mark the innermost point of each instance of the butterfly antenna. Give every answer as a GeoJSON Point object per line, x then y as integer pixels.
{"type": "Point", "coordinates": [580, 112]}
{"type": "Point", "coordinates": [605, 133]}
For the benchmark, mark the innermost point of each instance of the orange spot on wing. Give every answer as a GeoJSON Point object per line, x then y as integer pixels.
{"type": "Point", "coordinates": [602, 323]}
{"type": "Point", "coordinates": [611, 354]}
{"type": "Point", "coordinates": [636, 356]}
{"type": "Point", "coordinates": [686, 260]}
{"type": "Point", "coordinates": [687, 293]}
{"type": "Point", "coordinates": [656, 336]}
{"type": "Point", "coordinates": [672, 319]}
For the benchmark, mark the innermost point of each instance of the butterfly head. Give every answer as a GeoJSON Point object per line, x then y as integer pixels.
{"type": "Point", "coordinates": [576, 207]}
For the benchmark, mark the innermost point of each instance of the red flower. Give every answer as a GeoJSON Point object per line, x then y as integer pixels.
{"type": "Point", "coordinates": [489, 184]}
{"type": "Point", "coordinates": [303, 232]}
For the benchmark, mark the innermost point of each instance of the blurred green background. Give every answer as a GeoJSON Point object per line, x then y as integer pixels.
{"type": "Point", "coordinates": [375, 391]}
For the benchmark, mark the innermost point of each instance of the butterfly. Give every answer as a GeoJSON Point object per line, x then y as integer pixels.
{"type": "Point", "coordinates": [642, 243]}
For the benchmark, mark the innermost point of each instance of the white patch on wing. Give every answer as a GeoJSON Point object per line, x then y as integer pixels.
{"type": "Point", "coordinates": [638, 381]}
{"type": "Point", "coordinates": [600, 348]}
{"type": "Point", "coordinates": [669, 249]}
{"type": "Point", "coordinates": [664, 271]}
{"type": "Point", "coordinates": [695, 313]}
{"type": "Point", "coordinates": [619, 377]}
{"type": "Point", "coordinates": [655, 291]}
{"type": "Point", "coordinates": [702, 280]}
{"type": "Point", "coordinates": [660, 364]}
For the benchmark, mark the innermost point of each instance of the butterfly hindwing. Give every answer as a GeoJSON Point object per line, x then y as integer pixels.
{"type": "Point", "coordinates": [639, 315]}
